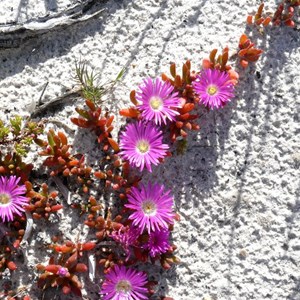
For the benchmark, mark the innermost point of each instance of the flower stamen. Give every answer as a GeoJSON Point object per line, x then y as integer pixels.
{"type": "Point", "coordinates": [149, 208]}
{"type": "Point", "coordinates": [4, 199]}
{"type": "Point", "coordinates": [211, 90]}
{"type": "Point", "coordinates": [123, 286]}
{"type": "Point", "coordinates": [143, 146]}
{"type": "Point", "coordinates": [124, 283]}
{"type": "Point", "coordinates": [156, 103]}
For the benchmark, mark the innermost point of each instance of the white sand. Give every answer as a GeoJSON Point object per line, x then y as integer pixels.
{"type": "Point", "coordinates": [237, 187]}
{"type": "Point", "coordinates": [20, 11]}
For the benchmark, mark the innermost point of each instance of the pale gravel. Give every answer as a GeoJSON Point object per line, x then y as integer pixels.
{"type": "Point", "coordinates": [237, 187]}
{"type": "Point", "coordinates": [22, 11]}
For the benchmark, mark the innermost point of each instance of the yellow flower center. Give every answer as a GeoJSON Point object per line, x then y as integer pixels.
{"type": "Point", "coordinates": [4, 199]}
{"type": "Point", "coordinates": [143, 146]}
{"type": "Point", "coordinates": [155, 103]}
{"type": "Point", "coordinates": [149, 208]}
{"type": "Point", "coordinates": [212, 90]}
{"type": "Point", "coordinates": [123, 286]}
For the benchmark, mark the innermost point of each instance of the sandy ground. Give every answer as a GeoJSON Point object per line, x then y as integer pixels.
{"type": "Point", "coordinates": [237, 187]}
{"type": "Point", "coordinates": [23, 11]}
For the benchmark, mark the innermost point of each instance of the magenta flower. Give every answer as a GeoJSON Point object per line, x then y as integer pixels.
{"type": "Point", "coordinates": [158, 101]}
{"type": "Point", "coordinates": [141, 144]}
{"type": "Point", "coordinates": [62, 272]}
{"type": "Point", "coordinates": [124, 284]}
{"type": "Point", "coordinates": [152, 207]}
{"type": "Point", "coordinates": [214, 88]}
{"type": "Point", "coordinates": [158, 242]}
{"type": "Point", "coordinates": [127, 237]}
{"type": "Point", "coordinates": [11, 201]}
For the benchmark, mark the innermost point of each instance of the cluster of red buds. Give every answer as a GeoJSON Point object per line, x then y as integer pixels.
{"type": "Point", "coordinates": [248, 53]}
{"type": "Point", "coordinates": [60, 272]}
{"type": "Point", "coordinates": [42, 203]}
{"type": "Point", "coordinates": [284, 14]}
{"type": "Point", "coordinates": [17, 230]}
{"type": "Point", "coordinates": [220, 63]}
{"type": "Point", "coordinates": [113, 171]}
{"type": "Point", "coordinates": [93, 119]}
{"type": "Point", "coordinates": [257, 19]}
{"type": "Point", "coordinates": [131, 112]}
{"type": "Point", "coordinates": [11, 236]}
{"type": "Point", "coordinates": [92, 206]}
{"type": "Point", "coordinates": [12, 164]}
{"type": "Point", "coordinates": [113, 166]}
{"type": "Point", "coordinates": [60, 161]}
{"type": "Point", "coordinates": [6, 253]}
{"type": "Point", "coordinates": [108, 255]}
{"type": "Point", "coordinates": [107, 252]}
{"type": "Point", "coordinates": [116, 174]}
{"type": "Point", "coordinates": [103, 226]}
{"type": "Point", "coordinates": [168, 259]}
{"type": "Point", "coordinates": [185, 120]}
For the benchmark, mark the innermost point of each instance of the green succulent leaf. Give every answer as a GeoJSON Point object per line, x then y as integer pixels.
{"type": "Point", "coordinates": [20, 149]}
{"type": "Point", "coordinates": [83, 113]}
{"type": "Point", "coordinates": [27, 140]}
{"type": "Point", "coordinates": [50, 139]}
{"type": "Point", "coordinates": [4, 132]}
{"type": "Point", "coordinates": [16, 123]}
{"type": "Point", "coordinates": [181, 146]}
{"type": "Point", "coordinates": [88, 80]}
{"type": "Point", "coordinates": [121, 74]}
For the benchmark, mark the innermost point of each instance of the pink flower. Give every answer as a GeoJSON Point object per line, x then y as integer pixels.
{"type": "Point", "coordinates": [214, 88]}
{"type": "Point", "coordinates": [158, 101]}
{"type": "Point", "coordinates": [124, 284]}
{"type": "Point", "coordinates": [141, 144]}
{"type": "Point", "coordinates": [11, 201]}
{"type": "Point", "coordinates": [152, 207]}
{"type": "Point", "coordinates": [158, 242]}
{"type": "Point", "coordinates": [62, 272]}
{"type": "Point", "coordinates": [127, 237]}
